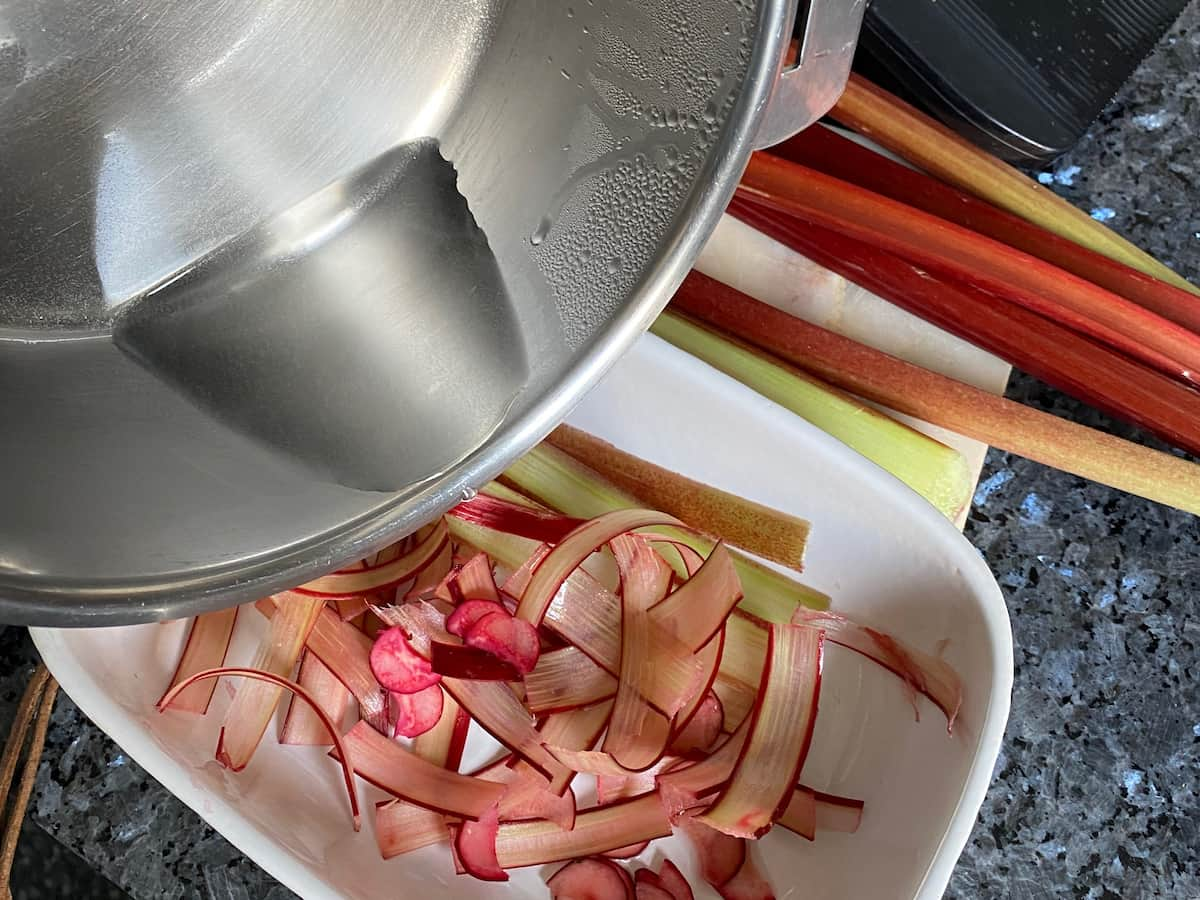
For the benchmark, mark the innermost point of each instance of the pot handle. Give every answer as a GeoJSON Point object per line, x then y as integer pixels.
{"type": "Point", "coordinates": [808, 90]}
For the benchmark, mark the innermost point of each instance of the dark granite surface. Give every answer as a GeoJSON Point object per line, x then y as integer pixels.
{"type": "Point", "coordinates": [1096, 790]}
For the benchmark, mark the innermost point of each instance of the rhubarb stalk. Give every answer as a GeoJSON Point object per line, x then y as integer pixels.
{"type": "Point", "coordinates": [961, 254]}
{"type": "Point", "coordinates": [894, 124]}
{"type": "Point", "coordinates": [960, 407]}
{"type": "Point", "coordinates": [1056, 355]}
{"type": "Point", "coordinates": [561, 481]}
{"type": "Point", "coordinates": [767, 532]}
{"type": "Point", "coordinates": [827, 151]}
{"type": "Point", "coordinates": [932, 469]}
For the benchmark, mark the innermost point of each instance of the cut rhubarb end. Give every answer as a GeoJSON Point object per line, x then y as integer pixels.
{"type": "Point", "coordinates": [841, 814]}
{"type": "Point", "coordinates": [476, 847]}
{"type": "Point", "coordinates": [415, 714]}
{"type": "Point", "coordinates": [398, 667]}
{"type": "Point", "coordinates": [467, 613]}
{"type": "Point", "coordinates": [591, 879]}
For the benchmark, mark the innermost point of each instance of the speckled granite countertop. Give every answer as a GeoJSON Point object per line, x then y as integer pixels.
{"type": "Point", "coordinates": [1097, 791]}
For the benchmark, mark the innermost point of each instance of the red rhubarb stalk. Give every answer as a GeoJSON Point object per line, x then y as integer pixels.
{"type": "Point", "coordinates": [959, 253]}
{"type": "Point", "coordinates": [1044, 349]}
{"type": "Point", "coordinates": [827, 151]}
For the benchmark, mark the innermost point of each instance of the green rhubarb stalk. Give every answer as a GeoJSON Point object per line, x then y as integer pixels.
{"type": "Point", "coordinates": [766, 532]}
{"type": "Point", "coordinates": [563, 483]}
{"type": "Point", "coordinates": [935, 471]}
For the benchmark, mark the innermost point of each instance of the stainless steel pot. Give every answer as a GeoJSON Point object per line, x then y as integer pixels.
{"type": "Point", "coordinates": [280, 280]}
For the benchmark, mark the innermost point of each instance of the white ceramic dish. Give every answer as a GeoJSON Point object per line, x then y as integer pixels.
{"type": "Point", "coordinates": [886, 556]}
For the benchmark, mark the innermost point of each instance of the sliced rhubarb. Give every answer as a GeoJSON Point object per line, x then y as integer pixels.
{"type": "Point", "coordinates": [353, 582]}
{"type": "Point", "coordinates": [627, 852]}
{"type": "Point", "coordinates": [254, 704]}
{"type": "Point", "coordinates": [476, 581]}
{"type": "Point", "coordinates": [827, 151]}
{"type": "Point", "coordinates": [591, 879]}
{"type": "Point", "coordinates": [767, 532]}
{"type": "Point", "coordinates": [720, 855]}
{"type": "Point", "coordinates": [574, 549]}
{"type": "Point", "coordinates": [491, 704]}
{"type": "Point", "coordinates": [673, 881]}
{"type": "Point", "coordinates": [415, 714]}
{"type": "Point", "coordinates": [710, 660]}
{"type": "Point", "coordinates": [397, 666]}
{"type": "Point", "coordinates": [431, 576]}
{"type": "Point", "coordinates": [921, 672]}
{"type": "Point", "coordinates": [346, 651]}
{"type": "Point", "coordinates": [502, 515]}
{"type": "Point", "coordinates": [207, 643]}
{"type": "Point", "coordinates": [476, 847]}
{"type": "Point", "coordinates": [509, 639]}
{"type": "Point", "coordinates": [443, 744]}
{"type": "Point", "coordinates": [637, 733]}
{"type": "Point", "coordinates": [698, 608]}
{"type": "Point", "coordinates": [402, 827]}
{"type": "Point", "coordinates": [341, 745]}
{"type": "Point", "coordinates": [561, 481]}
{"type": "Point", "coordinates": [748, 883]}
{"type": "Point", "coordinates": [800, 815]}
{"type": "Point", "coordinates": [1057, 356]}
{"type": "Point", "coordinates": [955, 252]}
{"type": "Point", "coordinates": [577, 729]}
{"type": "Point", "coordinates": [469, 612]}
{"type": "Point", "coordinates": [596, 830]}
{"type": "Point", "coordinates": [472, 663]}
{"type": "Point", "coordinates": [841, 814]}
{"type": "Point", "coordinates": [301, 725]}
{"type": "Point", "coordinates": [566, 679]}
{"type": "Point", "coordinates": [703, 729]}
{"type": "Point", "coordinates": [390, 767]}
{"type": "Point", "coordinates": [350, 607]}
{"type": "Point", "coordinates": [933, 147]}
{"type": "Point", "coordinates": [780, 734]}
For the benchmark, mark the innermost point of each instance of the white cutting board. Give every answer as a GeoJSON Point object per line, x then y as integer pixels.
{"type": "Point", "coordinates": [760, 266]}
